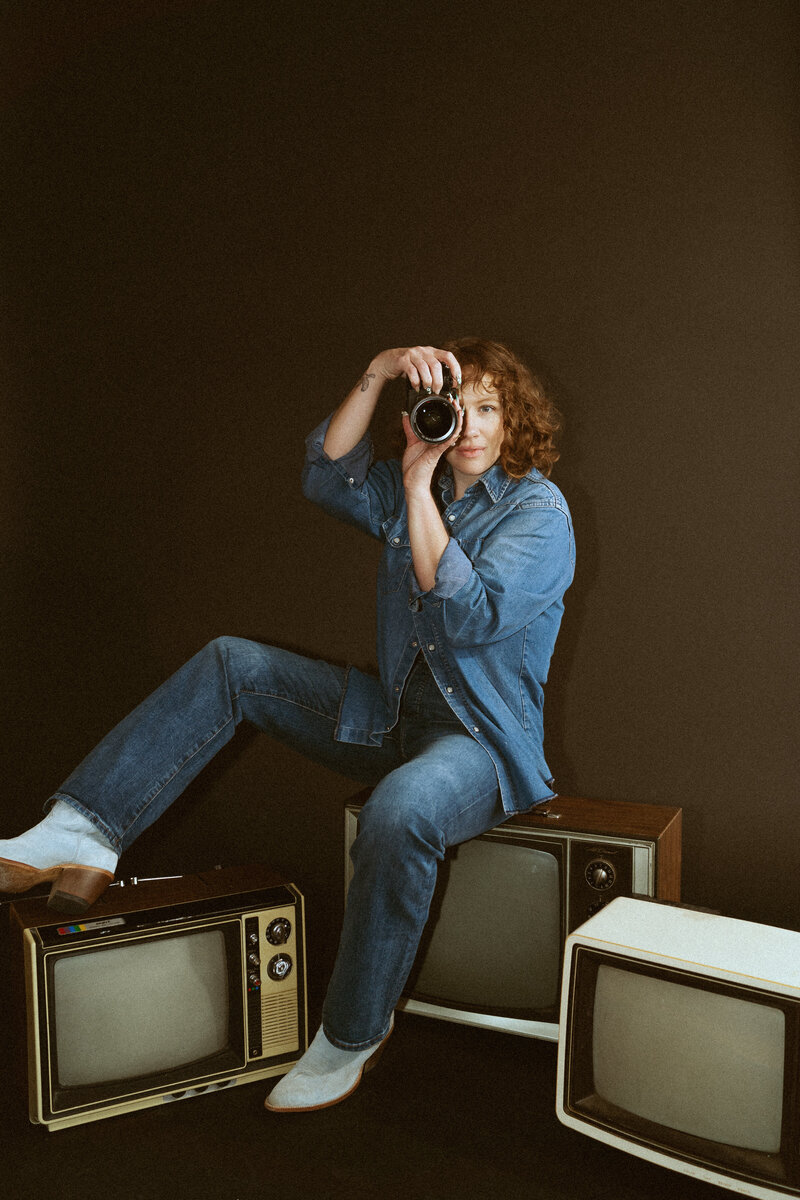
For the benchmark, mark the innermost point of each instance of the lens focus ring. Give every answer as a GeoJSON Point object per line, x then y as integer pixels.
{"type": "Point", "coordinates": [433, 419]}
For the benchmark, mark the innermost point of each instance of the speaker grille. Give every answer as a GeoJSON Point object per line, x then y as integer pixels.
{"type": "Point", "coordinates": [278, 1020]}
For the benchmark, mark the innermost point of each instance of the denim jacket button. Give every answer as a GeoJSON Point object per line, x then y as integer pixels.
{"type": "Point", "coordinates": [431, 646]}
{"type": "Point", "coordinates": [450, 690]}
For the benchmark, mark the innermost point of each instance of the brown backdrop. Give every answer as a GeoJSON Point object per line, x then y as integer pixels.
{"type": "Point", "coordinates": [216, 213]}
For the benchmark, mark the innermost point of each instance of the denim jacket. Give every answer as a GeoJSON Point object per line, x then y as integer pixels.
{"type": "Point", "coordinates": [488, 626]}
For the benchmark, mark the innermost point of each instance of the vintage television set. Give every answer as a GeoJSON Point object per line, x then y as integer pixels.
{"type": "Point", "coordinates": [681, 1043]}
{"type": "Point", "coordinates": [492, 950]}
{"type": "Point", "coordinates": [161, 991]}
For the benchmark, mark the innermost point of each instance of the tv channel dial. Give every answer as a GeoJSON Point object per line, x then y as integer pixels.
{"type": "Point", "coordinates": [600, 875]}
{"type": "Point", "coordinates": [279, 931]}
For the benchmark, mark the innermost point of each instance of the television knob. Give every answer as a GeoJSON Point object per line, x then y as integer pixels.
{"type": "Point", "coordinates": [279, 967]}
{"type": "Point", "coordinates": [279, 931]}
{"type": "Point", "coordinates": [252, 939]}
{"type": "Point", "coordinates": [254, 960]}
{"type": "Point", "coordinates": [600, 875]}
{"type": "Point", "coordinates": [253, 979]}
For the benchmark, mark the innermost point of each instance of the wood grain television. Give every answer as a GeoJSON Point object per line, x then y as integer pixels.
{"type": "Point", "coordinates": [505, 902]}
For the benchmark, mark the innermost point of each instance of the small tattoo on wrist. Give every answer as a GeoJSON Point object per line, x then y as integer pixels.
{"type": "Point", "coordinates": [365, 381]}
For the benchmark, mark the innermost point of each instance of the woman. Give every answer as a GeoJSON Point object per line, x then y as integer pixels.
{"type": "Point", "coordinates": [478, 552]}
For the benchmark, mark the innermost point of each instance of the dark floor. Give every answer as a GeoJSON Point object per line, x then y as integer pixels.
{"type": "Point", "coordinates": [450, 1112]}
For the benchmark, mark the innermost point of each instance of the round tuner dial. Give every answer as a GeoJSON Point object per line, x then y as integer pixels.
{"type": "Point", "coordinates": [279, 966]}
{"type": "Point", "coordinates": [600, 875]}
{"type": "Point", "coordinates": [279, 931]}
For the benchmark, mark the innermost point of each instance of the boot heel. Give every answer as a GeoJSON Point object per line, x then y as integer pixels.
{"type": "Point", "coordinates": [76, 888]}
{"type": "Point", "coordinates": [372, 1061]}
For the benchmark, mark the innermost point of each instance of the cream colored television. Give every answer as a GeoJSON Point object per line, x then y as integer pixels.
{"type": "Point", "coordinates": [161, 992]}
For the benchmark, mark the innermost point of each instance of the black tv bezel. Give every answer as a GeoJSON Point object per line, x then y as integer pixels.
{"type": "Point", "coordinates": [779, 1171]}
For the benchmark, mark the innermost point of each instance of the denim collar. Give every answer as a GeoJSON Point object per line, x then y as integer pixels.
{"type": "Point", "coordinates": [495, 481]}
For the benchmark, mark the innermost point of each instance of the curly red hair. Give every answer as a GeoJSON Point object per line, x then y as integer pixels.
{"type": "Point", "coordinates": [530, 418]}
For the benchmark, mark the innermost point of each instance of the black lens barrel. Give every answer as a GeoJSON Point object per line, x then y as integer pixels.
{"type": "Point", "coordinates": [433, 419]}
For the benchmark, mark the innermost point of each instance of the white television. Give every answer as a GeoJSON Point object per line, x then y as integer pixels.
{"type": "Point", "coordinates": [680, 1043]}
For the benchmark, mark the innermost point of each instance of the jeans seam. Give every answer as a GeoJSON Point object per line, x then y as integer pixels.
{"type": "Point", "coordinates": [285, 700]}
{"type": "Point", "coordinates": [172, 776]}
{"type": "Point", "coordinates": [495, 791]}
{"type": "Point", "coordinates": [519, 679]}
{"type": "Point", "coordinates": [342, 694]}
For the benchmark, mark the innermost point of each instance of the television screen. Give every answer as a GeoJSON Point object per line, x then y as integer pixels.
{"type": "Point", "coordinates": [690, 1059]}
{"type": "Point", "coordinates": [495, 903]}
{"type": "Point", "coordinates": [126, 1010]}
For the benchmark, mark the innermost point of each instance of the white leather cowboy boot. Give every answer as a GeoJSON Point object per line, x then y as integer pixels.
{"type": "Point", "coordinates": [65, 848]}
{"type": "Point", "coordinates": [323, 1076]}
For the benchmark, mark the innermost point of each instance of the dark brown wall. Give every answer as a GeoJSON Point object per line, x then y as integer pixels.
{"type": "Point", "coordinates": [215, 215]}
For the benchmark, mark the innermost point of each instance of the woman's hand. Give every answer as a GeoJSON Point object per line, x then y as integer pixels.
{"type": "Point", "coordinates": [421, 365]}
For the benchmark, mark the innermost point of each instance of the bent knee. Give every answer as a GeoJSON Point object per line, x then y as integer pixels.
{"type": "Point", "coordinates": [224, 645]}
{"type": "Point", "coordinates": [233, 656]}
{"type": "Point", "coordinates": [396, 816]}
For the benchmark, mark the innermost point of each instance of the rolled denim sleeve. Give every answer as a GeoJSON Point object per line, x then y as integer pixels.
{"type": "Point", "coordinates": [353, 488]}
{"type": "Point", "coordinates": [353, 467]}
{"type": "Point", "coordinates": [452, 574]}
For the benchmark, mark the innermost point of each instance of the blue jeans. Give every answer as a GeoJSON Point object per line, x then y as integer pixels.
{"type": "Point", "coordinates": [434, 786]}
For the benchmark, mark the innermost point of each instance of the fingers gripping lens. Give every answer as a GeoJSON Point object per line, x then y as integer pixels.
{"type": "Point", "coordinates": [434, 417]}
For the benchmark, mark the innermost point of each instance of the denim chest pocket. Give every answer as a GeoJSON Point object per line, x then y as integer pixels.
{"type": "Point", "coordinates": [396, 557]}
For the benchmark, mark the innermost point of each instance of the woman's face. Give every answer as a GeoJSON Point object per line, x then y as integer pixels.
{"type": "Point", "coordinates": [478, 447]}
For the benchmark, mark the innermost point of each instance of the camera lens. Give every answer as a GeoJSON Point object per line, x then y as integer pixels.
{"type": "Point", "coordinates": [433, 419]}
